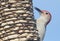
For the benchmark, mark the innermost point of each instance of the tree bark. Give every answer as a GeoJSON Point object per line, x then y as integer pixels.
{"type": "Point", "coordinates": [17, 21]}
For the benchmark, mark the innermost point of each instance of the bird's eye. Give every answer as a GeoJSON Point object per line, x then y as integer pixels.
{"type": "Point", "coordinates": [46, 13]}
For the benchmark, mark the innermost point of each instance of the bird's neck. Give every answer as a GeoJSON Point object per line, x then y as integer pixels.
{"type": "Point", "coordinates": [42, 20]}
{"type": "Point", "coordinates": [41, 23]}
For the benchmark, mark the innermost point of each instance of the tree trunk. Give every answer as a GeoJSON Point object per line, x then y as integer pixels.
{"type": "Point", "coordinates": [17, 21]}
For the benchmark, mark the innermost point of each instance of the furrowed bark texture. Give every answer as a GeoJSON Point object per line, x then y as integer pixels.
{"type": "Point", "coordinates": [17, 21]}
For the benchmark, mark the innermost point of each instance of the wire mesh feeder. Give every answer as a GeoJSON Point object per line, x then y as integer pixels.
{"type": "Point", "coordinates": [17, 21]}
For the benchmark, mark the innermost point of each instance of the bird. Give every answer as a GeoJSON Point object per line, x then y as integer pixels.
{"type": "Point", "coordinates": [42, 22]}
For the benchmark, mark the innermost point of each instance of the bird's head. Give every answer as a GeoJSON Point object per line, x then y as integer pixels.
{"type": "Point", "coordinates": [45, 14]}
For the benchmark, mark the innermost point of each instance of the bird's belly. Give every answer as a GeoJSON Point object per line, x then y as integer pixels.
{"type": "Point", "coordinates": [41, 31]}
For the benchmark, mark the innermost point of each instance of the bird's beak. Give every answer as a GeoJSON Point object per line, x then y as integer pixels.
{"type": "Point", "coordinates": [38, 10]}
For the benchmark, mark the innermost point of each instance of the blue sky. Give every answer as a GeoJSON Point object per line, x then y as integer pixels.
{"type": "Point", "coordinates": [53, 28]}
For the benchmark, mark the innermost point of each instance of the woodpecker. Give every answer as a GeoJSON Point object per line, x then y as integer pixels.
{"type": "Point", "coordinates": [42, 21]}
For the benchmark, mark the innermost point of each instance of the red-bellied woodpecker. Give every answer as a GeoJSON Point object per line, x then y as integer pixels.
{"type": "Point", "coordinates": [42, 22]}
